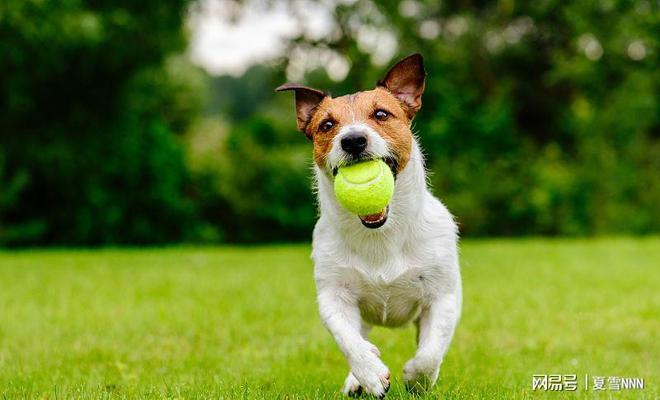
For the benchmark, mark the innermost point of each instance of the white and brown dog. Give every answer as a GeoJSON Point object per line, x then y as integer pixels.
{"type": "Point", "coordinates": [391, 268]}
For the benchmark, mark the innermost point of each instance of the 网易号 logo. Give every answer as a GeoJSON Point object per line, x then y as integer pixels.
{"type": "Point", "coordinates": [571, 382]}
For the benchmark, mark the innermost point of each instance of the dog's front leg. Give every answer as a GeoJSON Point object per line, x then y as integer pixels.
{"type": "Point", "coordinates": [435, 327]}
{"type": "Point", "coordinates": [341, 316]}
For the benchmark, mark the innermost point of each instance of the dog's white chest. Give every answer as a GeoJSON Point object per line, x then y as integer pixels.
{"type": "Point", "coordinates": [388, 302]}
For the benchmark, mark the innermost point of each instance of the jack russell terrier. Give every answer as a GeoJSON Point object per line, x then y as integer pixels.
{"type": "Point", "coordinates": [388, 269]}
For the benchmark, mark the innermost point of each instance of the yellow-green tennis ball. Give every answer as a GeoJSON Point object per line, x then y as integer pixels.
{"type": "Point", "coordinates": [364, 188]}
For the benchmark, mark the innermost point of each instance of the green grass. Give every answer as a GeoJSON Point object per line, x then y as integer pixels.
{"type": "Point", "coordinates": [242, 322]}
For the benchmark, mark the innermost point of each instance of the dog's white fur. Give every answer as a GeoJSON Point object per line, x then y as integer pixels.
{"type": "Point", "coordinates": [407, 270]}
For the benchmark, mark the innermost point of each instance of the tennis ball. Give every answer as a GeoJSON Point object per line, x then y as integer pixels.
{"type": "Point", "coordinates": [364, 188]}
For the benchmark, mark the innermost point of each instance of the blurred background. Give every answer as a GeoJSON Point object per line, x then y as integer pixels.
{"type": "Point", "coordinates": [127, 122]}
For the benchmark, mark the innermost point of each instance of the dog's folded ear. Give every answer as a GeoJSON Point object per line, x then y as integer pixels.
{"type": "Point", "coordinates": [405, 81]}
{"type": "Point", "coordinates": [307, 99]}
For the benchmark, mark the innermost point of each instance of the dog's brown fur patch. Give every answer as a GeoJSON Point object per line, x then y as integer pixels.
{"type": "Point", "coordinates": [360, 107]}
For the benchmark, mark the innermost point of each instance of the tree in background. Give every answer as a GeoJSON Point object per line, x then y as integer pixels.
{"type": "Point", "coordinates": [251, 172]}
{"type": "Point", "coordinates": [90, 102]}
{"type": "Point", "coordinates": [538, 117]}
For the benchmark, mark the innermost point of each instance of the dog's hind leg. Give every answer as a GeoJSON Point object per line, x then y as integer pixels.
{"type": "Point", "coordinates": [435, 329]}
{"type": "Point", "coordinates": [352, 387]}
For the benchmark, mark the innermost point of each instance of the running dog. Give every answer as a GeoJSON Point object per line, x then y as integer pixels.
{"type": "Point", "coordinates": [391, 268]}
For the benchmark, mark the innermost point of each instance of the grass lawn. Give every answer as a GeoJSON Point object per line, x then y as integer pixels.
{"type": "Point", "coordinates": [242, 322]}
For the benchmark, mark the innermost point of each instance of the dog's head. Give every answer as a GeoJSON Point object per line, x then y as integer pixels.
{"type": "Point", "coordinates": [373, 124]}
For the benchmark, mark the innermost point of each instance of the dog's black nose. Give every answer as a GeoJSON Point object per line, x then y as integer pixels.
{"type": "Point", "coordinates": [354, 143]}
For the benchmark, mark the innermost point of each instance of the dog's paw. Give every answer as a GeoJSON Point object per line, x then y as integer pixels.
{"type": "Point", "coordinates": [370, 372]}
{"type": "Point", "coordinates": [420, 374]}
{"type": "Point", "coordinates": [352, 387]}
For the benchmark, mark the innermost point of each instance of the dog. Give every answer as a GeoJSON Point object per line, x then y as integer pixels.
{"type": "Point", "coordinates": [394, 267]}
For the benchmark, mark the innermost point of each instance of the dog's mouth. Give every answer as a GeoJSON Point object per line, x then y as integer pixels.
{"type": "Point", "coordinates": [390, 161]}
{"type": "Point", "coordinates": [375, 221]}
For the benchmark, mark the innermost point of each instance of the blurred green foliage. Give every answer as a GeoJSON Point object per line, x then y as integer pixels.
{"type": "Point", "coordinates": [538, 118]}
{"type": "Point", "coordinates": [90, 102]}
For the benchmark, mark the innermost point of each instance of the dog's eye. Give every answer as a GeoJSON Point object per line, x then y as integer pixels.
{"type": "Point", "coordinates": [326, 125]}
{"type": "Point", "coordinates": [381, 115]}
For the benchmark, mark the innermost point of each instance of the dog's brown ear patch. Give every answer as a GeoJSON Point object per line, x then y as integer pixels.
{"type": "Point", "coordinates": [307, 99]}
{"type": "Point", "coordinates": [405, 81]}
